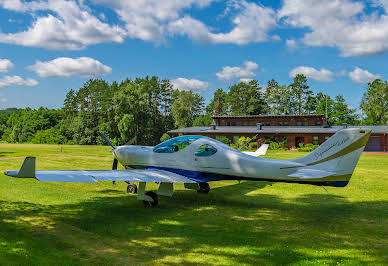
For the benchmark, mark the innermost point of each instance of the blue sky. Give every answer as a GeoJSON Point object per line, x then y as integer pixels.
{"type": "Point", "coordinates": [48, 47]}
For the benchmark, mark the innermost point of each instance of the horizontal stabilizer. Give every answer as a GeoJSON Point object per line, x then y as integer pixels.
{"type": "Point", "coordinates": [91, 176]}
{"type": "Point", "coordinates": [310, 173]}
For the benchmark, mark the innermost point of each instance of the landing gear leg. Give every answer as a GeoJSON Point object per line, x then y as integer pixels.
{"type": "Point", "coordinates": [203, 188]}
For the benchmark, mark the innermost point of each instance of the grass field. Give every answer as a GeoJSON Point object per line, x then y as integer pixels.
{"type": "Point", "coordinates": [247, 223]}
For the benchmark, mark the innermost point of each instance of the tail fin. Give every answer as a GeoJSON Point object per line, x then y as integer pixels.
{"type": "Point", "coordinates": [26, 171]}
{"type": "Point", "coordinates": [262, 150]}
{"type": "Point", "coordinates": [338, 155]}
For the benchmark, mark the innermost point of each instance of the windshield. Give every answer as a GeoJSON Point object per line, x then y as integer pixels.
{"type": "Point", "coordinates": [175, 144]}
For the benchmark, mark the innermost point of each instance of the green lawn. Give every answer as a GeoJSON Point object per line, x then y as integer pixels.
{"type": "Point", "coordinates": [247, 223]}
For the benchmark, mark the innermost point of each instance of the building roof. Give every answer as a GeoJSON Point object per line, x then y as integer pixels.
{"type": "Point", "coordinates": [272, 130]}
{"type": "Point", "coordinates": [265, 116]}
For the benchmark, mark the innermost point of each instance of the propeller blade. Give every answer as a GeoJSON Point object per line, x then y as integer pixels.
{"type": "Point", "coordinates": [106, 139]}
{"type": "Point", "coordinates": [114, 167]}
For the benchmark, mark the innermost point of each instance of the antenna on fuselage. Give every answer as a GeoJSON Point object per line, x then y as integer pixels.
{"type": "Point", "coordinates": [245, 144]}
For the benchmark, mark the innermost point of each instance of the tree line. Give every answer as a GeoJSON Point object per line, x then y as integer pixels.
{"type": "Point", "coordinates": [140, 111]}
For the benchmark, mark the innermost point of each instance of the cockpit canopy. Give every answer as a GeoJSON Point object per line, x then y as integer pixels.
{"type": "Point", "coordinates": [175, 144]}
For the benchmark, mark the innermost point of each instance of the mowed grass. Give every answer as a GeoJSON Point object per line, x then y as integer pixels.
{"type": "Point", "coordinates": [247, 223]}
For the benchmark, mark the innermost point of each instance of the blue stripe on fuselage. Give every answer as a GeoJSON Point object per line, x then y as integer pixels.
{"type": "Point", "coordinates": [207, 176]}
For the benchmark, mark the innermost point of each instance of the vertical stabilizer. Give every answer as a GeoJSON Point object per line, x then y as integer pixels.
{"type": "Point", "coordinates": [28, 168]}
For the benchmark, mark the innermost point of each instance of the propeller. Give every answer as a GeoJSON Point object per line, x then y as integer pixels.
{"type": "Point", "coordinates": [114, 167]}
{"type": "Point", "coordinates": [115, 161]}
{"type": "Point", "coordinates": [106, 139]}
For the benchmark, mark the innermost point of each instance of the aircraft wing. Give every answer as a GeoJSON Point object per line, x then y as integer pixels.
{"type": "Point", "coordinates": [91, 176]}
{"type": "Point", "coordinates": [310, 173]}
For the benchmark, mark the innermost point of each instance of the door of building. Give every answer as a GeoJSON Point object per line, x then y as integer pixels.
{"type": "Point", "coordinates": [298, 140]}
{"type": "Point", "coordinates": [373, 144]}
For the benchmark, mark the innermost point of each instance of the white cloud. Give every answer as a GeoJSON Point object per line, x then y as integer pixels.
{"type": "Point", "coordinates": [148, 19]}
{"type": "Point", "coordinates": [342, 24]}
{"type": "Point", "coordinates": [66, 67]}
{"type": "Point", "coordinates": [359, 75]}
{"type": "Point", "coordinates": [14, 5]}
{"type": "Point", "coordinates": [5, 65]}
{"type": "Point", "coordinates": [291, 44]}
{"type": "Point", "coordinates": [68, 26]}
{"type": "Point", "coordinates": [251, 24]}
{"type": "Point", "coordinates": [190, 84]}
{"type": "Point", "coordinates": [17, 80]}
{"type": "Point", "coordinates": [71, 25]}
{"type": "Point", "coordinates": [244, 73]}
{"type": "Point", "coordinates": [323, 75]}
{"type": "Point", "coordinates": [3, 100]}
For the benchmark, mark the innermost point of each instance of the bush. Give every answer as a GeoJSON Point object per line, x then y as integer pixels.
{"type": "Point", "coordinates": [253, 145]}
{"type": "Point", "coordinates": [234, 146]}
{"type": "Point", "coordinates": [223, 139]}
{"type": "Point", "coordinates": [273, 146]}
{"type": "Point", "coordinates": [165, 137]}
{"type": "Point", "coordinates": [309, 147]}
{"type": "Point", "coordinates": [48, 136]}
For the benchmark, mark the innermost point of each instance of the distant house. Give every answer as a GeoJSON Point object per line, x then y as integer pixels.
{"type": "Point", "coordinates": [292, 129]}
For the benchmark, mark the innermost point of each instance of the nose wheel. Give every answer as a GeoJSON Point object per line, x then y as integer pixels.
{"type": "Point", "coordinates": [131, 188]}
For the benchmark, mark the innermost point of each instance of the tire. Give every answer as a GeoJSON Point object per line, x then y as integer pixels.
{"type": "Point", "coordinates": [132, 188]}
{"type": "Point", "coordinates": [203, 188]}
{"type": "Point", "coordinates": [154, 196]}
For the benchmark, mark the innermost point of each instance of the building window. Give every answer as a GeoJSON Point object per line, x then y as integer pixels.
{"type": "Point", "coordinates": [306, 123]}
{"type": "Point", "coordinates": [268, 123]}
{"type": "Point", "coordinates": [228, 124]}
{"type": "Point", "coordinates": [245, 123]}
{"type": "Point", "coordinates": [233, 124]}
{"type": "Point", "coordinates": [317, 123]}
{"type": "Point", "coordinates": [285, 123]}
{"type": "Point", "coordinates": [250, 123]}
{"type": "Point", "coordinates": [315, 140]}
{"type": "Point", "coordinates": [298, 123]}
{"type": "Point", "coordinates": [280, 123]}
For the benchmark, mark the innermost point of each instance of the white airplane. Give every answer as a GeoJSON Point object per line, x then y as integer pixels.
{"type": "Point", "coordinates": [196, 160]}
{"type": "Point", "coordinates": [259, 152]}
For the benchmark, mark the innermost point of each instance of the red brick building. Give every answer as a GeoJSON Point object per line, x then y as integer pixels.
{"type": "Point", "coordinates": [290, 129]}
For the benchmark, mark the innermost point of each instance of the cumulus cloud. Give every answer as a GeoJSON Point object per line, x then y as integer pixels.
{"type": "Point", "coordinates": [342, 24]}
{"type": "Point", "coordinates": [244, 73]}
{"type": "Point", "coordinates": [66, 67]}
{"type": "Point", "coordinates": [17, 80]}
{"type": "Point", "coordinates": [190, 84]}
{"type": "Point", "coordinates": [67, 26]}
{"type": "Point", "coordinates": [291, 44]}
{"type": "Point", "coordinates": [323, 75]}
{"type": "Point", "coordinates": [251, 24]}
{"type": "Point", "coordinates": [14, 5]}
{"type": "Point", "coordinates": [5, 65]}
{"type": "Point", "coordinates": [71, 25]}
{"type": "Point", "coordinates": [3, 100]}
{"type": "Point", "coordinates": [359, 75]}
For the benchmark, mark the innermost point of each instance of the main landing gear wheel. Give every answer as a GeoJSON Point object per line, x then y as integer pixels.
{"type": "Point", "coordinates": [203, 188]}
{"type": "Point", "coordinates": [153, 203]}
{"type": "Point", "coordinates": [132, 188]}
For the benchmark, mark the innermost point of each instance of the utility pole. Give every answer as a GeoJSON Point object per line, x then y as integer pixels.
{"type": "Point", "coordinates": [326, 107]}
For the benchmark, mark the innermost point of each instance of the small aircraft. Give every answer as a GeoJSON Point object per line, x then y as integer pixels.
{"type": "Point", "coordinates": [196, 160]}
{"type": "Point", "coordinates": [259, 152]}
